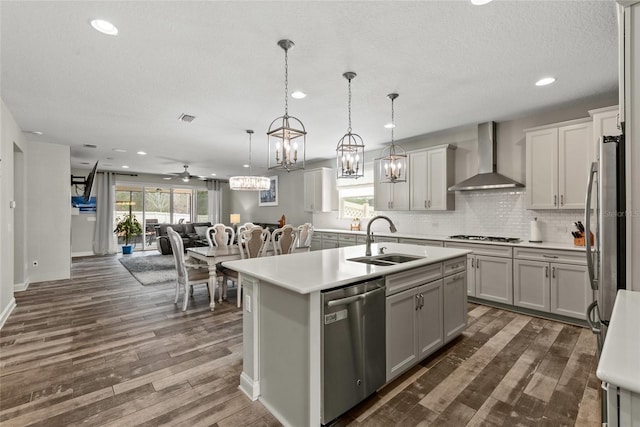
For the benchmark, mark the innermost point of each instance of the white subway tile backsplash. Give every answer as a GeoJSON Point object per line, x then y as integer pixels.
{"type": "Point", "coordinates": [490, 213]}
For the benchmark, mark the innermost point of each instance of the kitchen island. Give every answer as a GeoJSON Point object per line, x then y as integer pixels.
{"type": "Point", "coordinates": [282, 317]}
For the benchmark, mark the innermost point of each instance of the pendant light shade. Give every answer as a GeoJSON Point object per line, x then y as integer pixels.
{"type": "Point", "coordinates": [249, 183]}
{"type": "Point", "coordinates": [287, 135]}
{"type": "Point", "coordinates": [393, 162]}
{"type": "Point", "coordinates": [350, 150]}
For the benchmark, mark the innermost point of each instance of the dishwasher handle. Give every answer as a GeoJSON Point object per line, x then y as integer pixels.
{"type": "Point", "coordinates": [349, 300]}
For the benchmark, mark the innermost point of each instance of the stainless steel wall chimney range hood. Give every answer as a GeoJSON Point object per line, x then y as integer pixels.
{"type": "Point", "coordinates": [487, 177]}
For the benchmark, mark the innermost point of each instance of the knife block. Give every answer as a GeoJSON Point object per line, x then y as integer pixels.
{"type": "Point", "coordinates": [580, 241]}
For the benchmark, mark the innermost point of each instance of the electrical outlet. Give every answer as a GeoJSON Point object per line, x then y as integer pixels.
{"type": "Point", "coordinates": [247, 303]}
{"type": "Point", "coordinates": [35, 262]}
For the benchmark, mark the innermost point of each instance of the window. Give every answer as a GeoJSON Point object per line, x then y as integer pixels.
{"type": "Point", "coordinates": [356, 201]}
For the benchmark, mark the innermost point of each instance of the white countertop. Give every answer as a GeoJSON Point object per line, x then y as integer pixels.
{"type": "Point", "coordinates": [620, 360]}
{"type": "Point", "coordinates": [569, 246]}
{"type": "Point", "coordinates": [319, 270]}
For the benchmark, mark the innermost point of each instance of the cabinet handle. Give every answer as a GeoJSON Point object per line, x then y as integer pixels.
{"type": "Point", "coordinates": [555, 200]}
{"type": "Point", "coordinates": [417, 302]}
{"type": "Point", "coordinates": [425, 203]}
{"type": "Point", "coordinates": [421, 301]}
{"type": "Point", "coordinates": [550, 256]}
{"type": "Point", "coordinates": [546, 272]}
{"type": "Point", "coordinates": [553, 272]}
{"type": "Point", "coordinates": [477, 263]}
{"type": "Point", "coordinates": [429, 203]}
{"type": "Point", "coordinates": [473, 264]}
{"type": "Point", "coordinates": [562, 200]}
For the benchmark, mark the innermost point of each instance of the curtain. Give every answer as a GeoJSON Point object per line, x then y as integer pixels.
{"type": "Point", "coordinates": [215, 204]}
{"type": "Point", "coordinates": [104, 239]}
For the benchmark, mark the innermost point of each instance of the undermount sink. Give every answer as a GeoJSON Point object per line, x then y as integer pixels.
{"type": "Point", "coordinates": [386, 259]}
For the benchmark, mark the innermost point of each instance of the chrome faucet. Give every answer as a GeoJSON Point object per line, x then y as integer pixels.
{"type": "Point", "coordinates": [391, 227]}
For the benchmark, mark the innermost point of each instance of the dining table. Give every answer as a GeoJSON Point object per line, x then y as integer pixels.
{"type": "Point", "coordinates": [213, 255]}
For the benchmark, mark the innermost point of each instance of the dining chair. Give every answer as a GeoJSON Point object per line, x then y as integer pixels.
{"type": "Point", "coordinates": [303, 240]}
{"type": "Point", "coordinates": [253, 243]}
{"type": "Point", "coordinates": [220, 235]}
{"type": "Point", "coordinates": [284, 239]}
{"type": "Point", "coordinates": [244, 227]}
{"type": "Point", "coordinates": [189, 273]}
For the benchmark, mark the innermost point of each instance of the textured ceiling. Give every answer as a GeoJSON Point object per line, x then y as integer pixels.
{"type": "Point", "coordinates": [451, 62]}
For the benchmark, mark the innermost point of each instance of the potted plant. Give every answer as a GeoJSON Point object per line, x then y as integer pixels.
{"type": "Point", "coordinates": [127, 227]}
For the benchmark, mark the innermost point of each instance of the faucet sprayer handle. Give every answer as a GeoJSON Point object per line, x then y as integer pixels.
{"type": "Point", "coordinates": [381, 250]}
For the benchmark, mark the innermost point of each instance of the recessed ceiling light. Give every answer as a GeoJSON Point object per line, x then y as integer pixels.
{"type": "Point", "coordinates": [389, 126]}
{"type": "Point", "coordinates": [545, 81]}
{"type": "Point", "coordinates": [167, 178]}
{"type": "Point", "coordinates": [125, 167]}
{"type": "Point", "coordinates": [213, 174]}
{"type": "Point", "coordinates": [480, 2]}
{"type": "Point", "coordinates": [298, 94]}
{"type": "Point", "coordinates": [142, 153]}
{"type": "Point", "coordinates": [245, 166]}
{"type": "Point", "coordinates": [119, 150]}
{"type": "Point", "coordinates": [105, 27]}
{"type": "Point", "coordinates": [33, 132]}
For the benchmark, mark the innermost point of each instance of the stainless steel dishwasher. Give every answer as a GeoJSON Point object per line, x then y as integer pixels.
{"type": "Point", "coordinates": [353, 345]}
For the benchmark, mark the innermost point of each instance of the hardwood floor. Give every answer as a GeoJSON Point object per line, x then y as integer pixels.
{"type": "Point", "coordinates": [101, 349]}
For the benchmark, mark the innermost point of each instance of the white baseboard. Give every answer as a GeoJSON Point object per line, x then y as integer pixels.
{"type": "Point", "coordinates": [81, 254]}
{"type": "Point", "coordinates": [19, 287]}
{"type": "Point", "coordinates": [7, 311]}
{"type": "Point", "coordinates": [249, 387]}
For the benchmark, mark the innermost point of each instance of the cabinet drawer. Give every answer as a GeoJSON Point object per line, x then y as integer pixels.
{"type": "Point", "coordinates": [408, 279]}
{"type": "Point", "coordinates": [330, 236]}
{"type": "Point", "coordinates": [347, 238]}
{"type": "Point", "coordinates": [420, 242]}
{"type": "Point", "coordinates": [551, 255]}
{"type": "Point", "coordinates": [385, 239]}
{"type": "Point", "coordinates": [455, 265]}
{"type": "Point", "coordinates": [479, 249]}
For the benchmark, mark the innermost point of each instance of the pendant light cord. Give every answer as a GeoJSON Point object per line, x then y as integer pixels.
{"type": "Point", "coordinates": [286, 83]}
{"type": "Point", "coordinates": [349, 130]}
{"type": "Point", "coordinates": [393, 120]}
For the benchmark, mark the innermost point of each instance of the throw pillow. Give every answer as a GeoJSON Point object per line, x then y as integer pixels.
{"type": "Point", "coordinates": [201, 232]}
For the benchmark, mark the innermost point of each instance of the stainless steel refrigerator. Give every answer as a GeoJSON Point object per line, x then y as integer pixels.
{"type": "Point", "coordinates": [606, 257]}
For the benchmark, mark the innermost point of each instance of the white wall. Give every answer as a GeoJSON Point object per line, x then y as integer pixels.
{"type": "Point", "coordinates": [11, 138]}
{"type": "Point", "coordinates": [290, 200]}
{"type": "Point", "coordinates": [49, 211]}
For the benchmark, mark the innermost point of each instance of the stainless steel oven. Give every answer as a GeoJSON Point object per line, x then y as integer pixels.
{"type": "Point", "coordinates": [353, 345]}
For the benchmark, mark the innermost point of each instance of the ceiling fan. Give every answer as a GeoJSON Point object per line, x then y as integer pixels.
{"type": "Point", "coordinates": [184, 175]}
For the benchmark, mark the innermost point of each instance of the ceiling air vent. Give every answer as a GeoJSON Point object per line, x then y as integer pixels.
{"type": "Point", "coordinates": [186, 118]}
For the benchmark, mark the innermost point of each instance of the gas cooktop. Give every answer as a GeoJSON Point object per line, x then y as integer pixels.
{"type": "Point", "coordinates": [486, 238]}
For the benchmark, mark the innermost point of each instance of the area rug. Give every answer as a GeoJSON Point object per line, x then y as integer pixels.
{"type": "Point", "coordinates": [151, 269]}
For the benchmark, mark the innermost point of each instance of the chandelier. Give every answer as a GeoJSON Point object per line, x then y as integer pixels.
{"type": "Point", "coordinates": [350, 151]}
{"type": "Point", "coordinates": [249, 183]}
{"type": "Point", "coordinates": [287, 135]}
{"type": "Point", "coordinates": [393, 162]}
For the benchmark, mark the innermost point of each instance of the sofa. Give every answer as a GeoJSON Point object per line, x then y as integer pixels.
{"type": "Point", "coordinates": [192, 233]}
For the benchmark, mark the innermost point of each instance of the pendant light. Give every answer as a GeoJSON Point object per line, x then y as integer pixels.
{"type": "Point", "coordinates": [350, 151]}
{"type": "Point", "coordinates": [249, 183]}
{"type": "Point", "coordinates": [287, 135]}
{"type": "Point", "coordinates": [393, 163]}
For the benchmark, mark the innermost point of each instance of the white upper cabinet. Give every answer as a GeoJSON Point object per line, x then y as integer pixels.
{"type": "Point", "coordinates": [558, 162]}
{"type": "Point", "coordinates": [390, 197]}
{"type": "Point", "coordinates": [319, 190]}
{"type": "Point", "coordinates": [431, 173]}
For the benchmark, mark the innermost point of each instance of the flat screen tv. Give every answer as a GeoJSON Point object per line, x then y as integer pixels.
{"type": "Point", "coordinates": [88, 183]}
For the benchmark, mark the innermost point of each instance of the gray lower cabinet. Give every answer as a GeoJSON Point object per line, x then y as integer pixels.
{"type": "Point", "coordinates": [552, 281]}
{"type": "Point", "coordinates": [414, 326]}
{"type": "Point", "coordinates": [455, 305]}
{"type": "Point", "coordinates": [493, 278]}
{"type": "Point", "coordinates": [316, 242]}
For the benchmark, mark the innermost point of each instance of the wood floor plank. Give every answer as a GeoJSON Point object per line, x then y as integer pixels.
{"type": "Point", "coordinates": [101, 349]}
